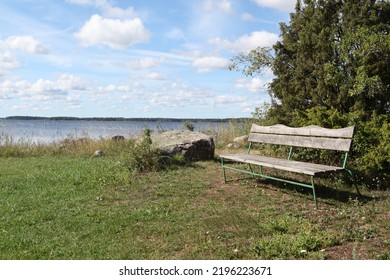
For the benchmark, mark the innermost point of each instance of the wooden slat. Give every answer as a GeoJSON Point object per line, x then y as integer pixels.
{"type": "Point", "coordinates": [283, 164]}
{"type": "Point", "coordinates": [337, 144]}
{"type": "Point", "coordinates": [311, 130]}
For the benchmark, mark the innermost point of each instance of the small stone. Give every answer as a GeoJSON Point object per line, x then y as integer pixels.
{"type": "Point", "coordinates": [232, 145]}
{"type": "Point", "coordinates": [241, 140]}
{"type": "Point", "coordinates": [118, 138]}
{"type": "Point", "coordinates": [98, 153]}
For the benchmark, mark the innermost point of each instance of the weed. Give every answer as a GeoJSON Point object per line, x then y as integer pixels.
{"type": "Point", "coordinates": [288, 236]}
{"type": "Point", "coordinates": [189, 126]}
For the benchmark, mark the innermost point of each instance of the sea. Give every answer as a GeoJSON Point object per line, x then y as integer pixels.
{"type": "Point", "coordinates": [46, 131]}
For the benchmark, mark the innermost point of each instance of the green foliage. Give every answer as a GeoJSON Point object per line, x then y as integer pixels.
{"type": "Point", "coordinates": [331, 69]}
{"type": "Point", "coordinates": [321, 116]}
{"type": "Point", "coordinates": [371, 143]}
{"type": "Point", "coordinates": [372, 148]}
{"type": "Point", "coordinates": [253, 63]}
{"type": "Point", "coordinates": [293, 237]}
{"type": "Point", "coordinates": [261, 114]}
{"type": "Point", "coordinates": [140, 156]}
{"type": "Point", "coordinates": [178, 159]}
{"type": "Point", "coordinates": [334, 54]}
{"type": "Point", "coordinates": [189, 126]}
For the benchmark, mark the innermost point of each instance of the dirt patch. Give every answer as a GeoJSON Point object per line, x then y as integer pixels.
{"type": "Point", "coordinates": [368, 250]}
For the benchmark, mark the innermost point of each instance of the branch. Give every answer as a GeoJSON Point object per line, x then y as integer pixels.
{"type": "Point", "coordinates": [256, 62]}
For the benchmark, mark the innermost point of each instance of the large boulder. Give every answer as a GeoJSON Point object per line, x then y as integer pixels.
{"type": "Point", "coordinates": [194, 146]}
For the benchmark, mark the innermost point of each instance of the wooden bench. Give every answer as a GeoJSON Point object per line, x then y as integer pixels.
{"type": "Point", "coordinates": [313, 137]}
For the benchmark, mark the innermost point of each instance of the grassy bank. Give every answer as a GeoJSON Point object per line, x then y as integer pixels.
{"type": "Point", "coordinates": [61, 203]}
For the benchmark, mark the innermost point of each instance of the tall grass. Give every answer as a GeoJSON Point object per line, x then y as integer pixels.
{"type": "Point", "coordinates": [226, 133]}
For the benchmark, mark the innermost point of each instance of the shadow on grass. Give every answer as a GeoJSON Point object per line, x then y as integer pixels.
{"type": "Point", "coordinates": [322, 192]}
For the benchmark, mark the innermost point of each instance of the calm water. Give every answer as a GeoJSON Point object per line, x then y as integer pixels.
{"type": "Point", "coordinates": [47, 131]}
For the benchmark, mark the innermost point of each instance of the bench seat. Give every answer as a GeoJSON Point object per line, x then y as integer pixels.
{"type": "Point", "coordinates": [300, 167]}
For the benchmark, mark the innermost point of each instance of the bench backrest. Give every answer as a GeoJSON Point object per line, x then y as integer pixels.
{"type": "Point", "coordinates": [309, 137]}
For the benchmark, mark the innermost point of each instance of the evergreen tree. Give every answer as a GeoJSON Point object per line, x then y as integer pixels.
{"type": "Point", "coordinates": [332, 68]}
{"type": "Point", "coordinates": [334, 54]}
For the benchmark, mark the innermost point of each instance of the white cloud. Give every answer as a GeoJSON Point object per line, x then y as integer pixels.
{"type": "Point", "coordinates": [228, 99]}
{"type": "Point", "coordinates": [208, 63]}
{"type": "Point", "coordinates": [71, 82]}
{"type": "Point", "coordinates": [116, 12]}
{"type": "Point", "coordinates": [209, 18]}
{"type": "Point", "coordinates": [45, 87]}
{"type": "Point", "coordinates": [247, 17]}
{"type": "Point", "coordinates": [81, 2]}
{"type": "Point", "coordinates": [7, 63]}
{"type": "Point", "coordinates": [247, 42]}
{"type": "Point", "coordinates": [104, 91]}
{"type": "Point", "coordinates": [115, 33]}
{"type": "Point", "coordinates": [107, 8]}
{"type": "Point", "coordinates": [254, 85]}
{"type": "Point", "coordinates": [176, 34]}
{"type": "Point", "coordinates": [225, 6]}
{"type": "Point", "coordinates": [177, 85]}
{"type": "Point", "coordinates": [187, 97]}
{"type": "Point", "coordinates": [154, 76]}
{"type": "Point", "coordinates": [147, 62]}
{"type": "Point", "coordinates": [212, 5]}
{"type": "Point", "coordinates": [65, 84]}
{"type": "Point", "coordinates": [24, 43]}
{"type": "Point", "coordinates": [282, 5]}
{"type": "Point", "coordinates": [43, 94]}
{"type": "Point", "coordinates": [62, 86]}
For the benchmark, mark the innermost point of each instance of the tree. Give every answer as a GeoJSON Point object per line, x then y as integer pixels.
{"type": "Point", "coordinates": [332, 68]}
{"type": "Point", "coordinates": [333, 54]}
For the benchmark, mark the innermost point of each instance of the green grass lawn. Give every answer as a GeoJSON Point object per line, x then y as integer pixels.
{"type": "Point", "coordinates": [78, 207]}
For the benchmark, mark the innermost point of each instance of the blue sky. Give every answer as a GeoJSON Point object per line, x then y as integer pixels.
{"type": "Point", "coordinates": [133, 58]}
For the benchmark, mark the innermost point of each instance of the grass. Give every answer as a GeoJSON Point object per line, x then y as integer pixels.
{"type": "Point", "coordinates": [61, 203]}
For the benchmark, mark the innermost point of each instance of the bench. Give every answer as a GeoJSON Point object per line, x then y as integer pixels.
{"type": "Point", "coordinates": [313, 137]}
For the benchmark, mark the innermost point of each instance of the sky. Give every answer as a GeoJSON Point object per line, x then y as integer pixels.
{"type": "Point", "coordinates": [133, 58]}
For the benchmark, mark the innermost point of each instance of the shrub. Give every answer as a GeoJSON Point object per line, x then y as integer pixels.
{"type": "Point", "coordinates": [189, 126]}
{"type": "Point", "coordinates": [140, 156]}
{"type": "Point", "coordinates": [370, 153]}
{"type": "Point", "coordinates": [371, 149]}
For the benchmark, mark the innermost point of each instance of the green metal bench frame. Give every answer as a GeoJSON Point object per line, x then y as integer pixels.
{"type": "Point", "coordinates": [305, 137]}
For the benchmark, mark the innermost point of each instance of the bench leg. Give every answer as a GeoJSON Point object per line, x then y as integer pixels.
{"type": "Point", "coordinates": [223, 171]}
{"type": "Point", "coordinates": [251, 169]}
{"type": "Point", "coordinates": [353, 181]}
{"type": "Point", "coordinates": [314, 191]}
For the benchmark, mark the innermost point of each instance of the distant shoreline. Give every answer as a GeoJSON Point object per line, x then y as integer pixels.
{"type": "Point", "coordinates": [27, 118]}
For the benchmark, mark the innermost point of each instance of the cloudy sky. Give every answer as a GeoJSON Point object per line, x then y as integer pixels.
{"type": "Point", "coordinates": [133, 58]}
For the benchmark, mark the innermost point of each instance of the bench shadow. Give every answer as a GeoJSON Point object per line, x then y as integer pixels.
{"type": "Point", "coordinates": [322, 192]}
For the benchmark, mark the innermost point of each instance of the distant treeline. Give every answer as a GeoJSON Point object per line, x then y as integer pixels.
{"type": "Point", "coordinates": [125, 119]}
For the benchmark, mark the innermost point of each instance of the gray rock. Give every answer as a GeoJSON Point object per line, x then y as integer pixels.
{"type": "Point", "coordinates": [194, 146]}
